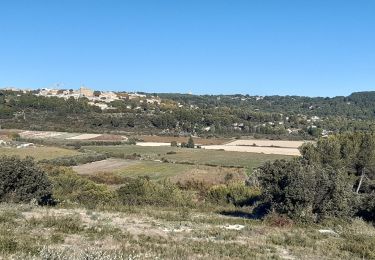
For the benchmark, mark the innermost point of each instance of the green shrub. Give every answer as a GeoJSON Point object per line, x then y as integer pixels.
{"type": "Point", "coordinates": [236, 193]}
{"type": "Point", "coordinates": [367, 207]}
{"type": "Point", "coordinates": [108, 178]}
{"type": "Point", "coordinates": [21, 180]}
{"type": "Point", "coordinates": [70, 187]}
{"type": "Point", "coordinates": [76, 160]}
{"type": "Point", "coordinates": [142, 191]}
{"type": "Point", "coordinates": [306, 192]}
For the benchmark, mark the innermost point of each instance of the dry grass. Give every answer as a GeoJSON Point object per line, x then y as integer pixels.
{"type": "Point", "coordinates": [107, 171]}
{"type": "Point", "coordinates": [29, 232]}
{"type": "Point", "coordinates": [254, 149]}
{"type": "Point", "coordinates": [39, 153]}
{"type": "Point", "coordinates": [109, 165]}
{"type": "Point", "coordinates": [270, 143]}
{"type": "Point", "coordinates": [194, 156]}
{"type": "Point", "coordinates": [169, 139]}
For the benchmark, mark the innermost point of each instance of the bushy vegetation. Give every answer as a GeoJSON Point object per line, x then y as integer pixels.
{"type": "Point", "coordinates": [21, 180]}
{"type": "Point", "coordinates": [68, 187]}
{"type": "Point", "coordinates": [235, 193]}
{"type": "Point", "coordinates": [334, 178]}
{"type": "Point", "coordinates": [142, 191]}
{"type": "Point", "coordinates": [306, 193]}
{"type": "Point", "coordinates": [76, 160]}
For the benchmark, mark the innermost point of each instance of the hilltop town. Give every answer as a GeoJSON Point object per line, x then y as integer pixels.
{"type": "Point", "coordinates": [97, 98]}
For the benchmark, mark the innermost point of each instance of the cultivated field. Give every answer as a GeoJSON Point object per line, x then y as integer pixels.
{"type": "Point", "coordinates": [69, 136]}
{"type": "Point", "coordinates": [254, 149]}
{"type": "Point", "coordinates": [260, 146]}
{"type": "Point", "coordinates": [152, 144]}
{"type": "Point", "coordinates": [39, 153]}
{"type": "Point", "coordinates": [269, 143]}
{"type": "Point", "coordinates": [193, 156]}
{"type": "Point", "coordinates": [109, 165]}
{"type": "Point", "coordinates": [159, 171]}
{"type": "Point", "coordinates": [84, 137]}
{"type": "Point", "coordinates": [169, 139]}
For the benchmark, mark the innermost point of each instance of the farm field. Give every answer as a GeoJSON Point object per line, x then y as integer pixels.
{"type": "Point", "coordinates": [248, 146]}
{"type": "Point", "coordinates": [39, 153]}
{"type": "Point", "coordinates": [260, 146]}
{"type": "Point", "coordinates": [69, 136]}
{"type": "Point", "coordinates": [159, 171]}
{"type": "Point", "coordinates": [169, 139]}
{"type": "Point", "coordinates": [270, 143]}
{"type": "Point", "coordinates": [254, 149]}
{"type": "Point", "coordinates": [194, 156]}
{"type": "Point", "coordinates": [108, 165]}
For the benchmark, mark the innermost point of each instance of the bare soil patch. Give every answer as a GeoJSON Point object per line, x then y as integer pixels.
{"type": "Point", "coordinates": [255, 149]}
{"type": "Point", "coordinates": [268, 143]}
{"type": "Point", "coordinates": [108, 137]}
{"type": "Point", "coordinates": [108, 165]}
{"type": "Point", "coordinates": [84, 137]}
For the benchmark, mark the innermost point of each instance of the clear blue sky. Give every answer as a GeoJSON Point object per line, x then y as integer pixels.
{"type": "Point", "coordinates": [315, 47]}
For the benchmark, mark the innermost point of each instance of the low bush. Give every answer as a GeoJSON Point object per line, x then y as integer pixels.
{"type": "Point", "coordinates": [21, 180]}
{"type": "Point", "coordinates": [306, 193]}
{"type": "Point", "coordinates": [142, 191]}
{"type": "Point", "coordinates": [367, 207]}
{"type": "Point", "coordinates": [108, 178]}
{"type": "Point", "coordinates": [76, 160]}
{"type": "Point", "coordinates": [277, 220]}
{"type": "Point", "coordinates": [236, 193]}
{"type": "Point", "coordinates": [70, 187]}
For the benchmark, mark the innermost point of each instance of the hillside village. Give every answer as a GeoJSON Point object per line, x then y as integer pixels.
{"type": "Point", "coordinates": [96, 98]}
{"type": "Point", "coordinates": [209, 114]}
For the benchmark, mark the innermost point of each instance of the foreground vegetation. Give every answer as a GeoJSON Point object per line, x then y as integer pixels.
{"type": "Point", "coordinates": [32, 232]}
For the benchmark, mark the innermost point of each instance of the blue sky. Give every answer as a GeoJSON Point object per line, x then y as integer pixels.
{"type": "Point", "coordinates": [256, 47]}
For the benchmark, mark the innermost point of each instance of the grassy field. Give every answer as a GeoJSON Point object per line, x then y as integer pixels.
{"type": "Point", "coordinates": [196, 156]}
{"type": "Point", "coordinates": [159, 171]}
{"type": "Point", "coordinates": [30, 232]}
{"type": "Point", "coordinates": [168, 139]}
{"type": "Point", "coordinates": [39, 153]}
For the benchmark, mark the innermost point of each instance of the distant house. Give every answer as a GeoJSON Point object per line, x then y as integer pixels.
{"type": "Point", "coordinates": [86, 92]}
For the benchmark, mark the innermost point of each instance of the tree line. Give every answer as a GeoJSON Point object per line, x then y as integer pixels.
{"type": "Point", "coordinates": [279, 117]}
